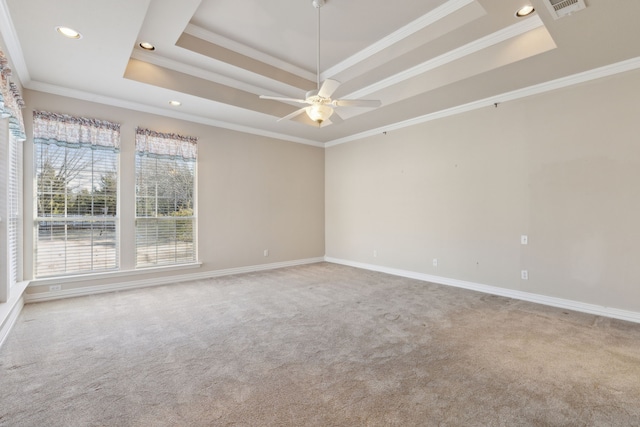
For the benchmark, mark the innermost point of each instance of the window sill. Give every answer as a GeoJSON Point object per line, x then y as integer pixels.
{"type": "Point", "coordinates": [58, 280]}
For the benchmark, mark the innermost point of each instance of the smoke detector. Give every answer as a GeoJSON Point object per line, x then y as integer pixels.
{"type": "Point", "coordinates": [562, 8]}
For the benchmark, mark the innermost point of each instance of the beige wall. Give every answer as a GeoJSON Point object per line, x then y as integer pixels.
{"type": "Point", "coordinates": [254, 193]}
{"type": "Point", "coordinates": [562, 167]}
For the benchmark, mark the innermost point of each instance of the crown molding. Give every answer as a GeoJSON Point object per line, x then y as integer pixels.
{"type": "Point", "coordinates": [413, 27]}
{"type": "Point", "coordinates": [279, 88]}
{"type": "Point", "coordinates": [597, 73]}
{"type": "Point", "coordinates": [468, 49]}
{"type": "Point", "coordinates": [424, 21]}
{"type": "Point", "coordinates": [10, 37]}
{"type": "Point", "coordinates": [609, 70]}
{"type": "Point", "coordinates": [100, 99]}
{"type": "Point", "coordinates": [248, 51]}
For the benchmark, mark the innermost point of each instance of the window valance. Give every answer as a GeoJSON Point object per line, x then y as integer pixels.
{"type": "Point", "coordinates": [166, 145]}
{"type": "Point", "coordinates": [11, 102]}
{"type": "Point", "coordinates": [65, 130]}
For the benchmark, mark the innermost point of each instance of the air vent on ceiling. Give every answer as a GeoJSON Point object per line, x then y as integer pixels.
{"type": "Point", "coordinates": [561, 8]}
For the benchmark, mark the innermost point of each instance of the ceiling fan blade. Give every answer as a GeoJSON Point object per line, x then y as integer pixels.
{"type": "Point", "coordinates": [370, 103]}
{"type": "Point", "coordinates": [335, 118]}
{"type": "Point", "coordinates": [278, 98]}
{"type": "Point", "coordinates": [328, 87]}
{"type": "Point", "coordinates": [292, 115]}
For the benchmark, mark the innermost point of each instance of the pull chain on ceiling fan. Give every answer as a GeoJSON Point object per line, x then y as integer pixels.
{"type": "Point", "coordinates": [321, 106]}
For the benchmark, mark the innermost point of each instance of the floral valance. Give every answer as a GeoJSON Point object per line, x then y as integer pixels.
{"type": "Point", "coordinates": [65, 130]}
{"type": "Point", "coordinates": [11, 102]}
{"type": "Point", "coordinates": [166, 145]}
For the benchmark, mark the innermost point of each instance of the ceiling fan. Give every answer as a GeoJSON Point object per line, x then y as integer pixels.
{"type": "Point", "coordinates": [320, 105]}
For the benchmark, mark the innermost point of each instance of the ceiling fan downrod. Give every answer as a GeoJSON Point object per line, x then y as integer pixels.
{"type": "Point", "coordinates": [319, 103]}
{"type": "Point", "coordinates": [318, 4]}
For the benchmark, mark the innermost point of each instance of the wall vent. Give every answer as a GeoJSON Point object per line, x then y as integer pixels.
{"type": "Point", "coordinates": [561, 8]}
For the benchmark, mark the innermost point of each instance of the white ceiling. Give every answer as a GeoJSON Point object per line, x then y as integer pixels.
{"type": "Point", "coordinates": [420, 58]}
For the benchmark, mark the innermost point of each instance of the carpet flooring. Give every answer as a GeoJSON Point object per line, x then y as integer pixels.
{"type": "Point", "coordinates": [316, 345]}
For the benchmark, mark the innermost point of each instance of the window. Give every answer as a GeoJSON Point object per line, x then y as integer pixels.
{"type": "Point", "coordinates": [76, 162]}
{"type": "Point", "coordinates": [10, 209]}
{"type": "Point", "coordinates": [14, 210]}
{"type": "Point", "coordinates": [11, 137]}
{"type": "Point", "coordinates": [165, 198]}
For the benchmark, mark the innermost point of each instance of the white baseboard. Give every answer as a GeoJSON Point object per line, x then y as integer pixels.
{"type": "Point", "coordinates": [10, 316]}
{"type": "Point", "coordinates": [10, 320]}
{"type": "Point", "coordinates": [615, 313]}
{"type": "Point", "coordinates": [92, 290]}
{"type": "Point", "coordinates": [10, 310]}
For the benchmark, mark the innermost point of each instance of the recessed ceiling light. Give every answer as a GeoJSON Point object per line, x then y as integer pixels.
{"type": "Point", "coordinates": [175, 103]}
{"type": "Point", "coordinates": [69, 32]}
{"type": "Point", "coordinates": [525, 11]}
{"type": "Point", "coordinates": [147, 46]}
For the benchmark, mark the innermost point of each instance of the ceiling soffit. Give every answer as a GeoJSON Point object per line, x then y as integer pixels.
{"type": "Point", "coordinates": [453, 41]}
{"type": "Point", "coordinates": [217, 56]}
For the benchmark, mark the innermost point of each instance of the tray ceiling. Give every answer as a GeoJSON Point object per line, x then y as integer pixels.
{"type": "Point", "coordinates": [216, 56]}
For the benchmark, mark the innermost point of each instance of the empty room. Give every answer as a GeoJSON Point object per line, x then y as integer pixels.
{"type": "Point", "coordinates": [319, 213]}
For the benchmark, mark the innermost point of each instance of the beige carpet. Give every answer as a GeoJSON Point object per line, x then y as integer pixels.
{"type": "Point", "coordinates": [317, 345]}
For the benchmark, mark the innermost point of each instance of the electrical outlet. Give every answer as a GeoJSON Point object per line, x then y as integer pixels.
{"type": "Point", "coordinates": [266, 252]}
{"type": "Point", "coordinates": [524, 275]}
{"type": "Point", "coordinates": [435, 262]}
{"type": "Point", "coordinates": [375, 253]}
{"type": "Point", "coordinates": [54, 288]}
{"type": "Point", "coordinates": [524, 239]}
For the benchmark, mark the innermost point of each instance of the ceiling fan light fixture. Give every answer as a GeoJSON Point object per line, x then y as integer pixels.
{"type": "Point", "coordinates": [319, 100]}
{"type": "Point", "coordinates": [319, 112]}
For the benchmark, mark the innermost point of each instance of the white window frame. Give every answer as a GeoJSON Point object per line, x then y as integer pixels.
{"type": "Point", "coordinates": [155, 147]}
{"type": "Point", "coordinates": [5, 278]}
{"type": "Point", "coordinates": [15, 215]}
{"type": "Point", "coordinates": [100, 140]}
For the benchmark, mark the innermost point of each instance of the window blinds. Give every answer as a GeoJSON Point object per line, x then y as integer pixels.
{"type": "Point", "coordinates": [76, 179]}
{"type": "Point", "coordinates": [14, 208]}
{"type": "Point", "coordinates": [12, 135]}
{"type": "Point", "coordinates": [165, 198]}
